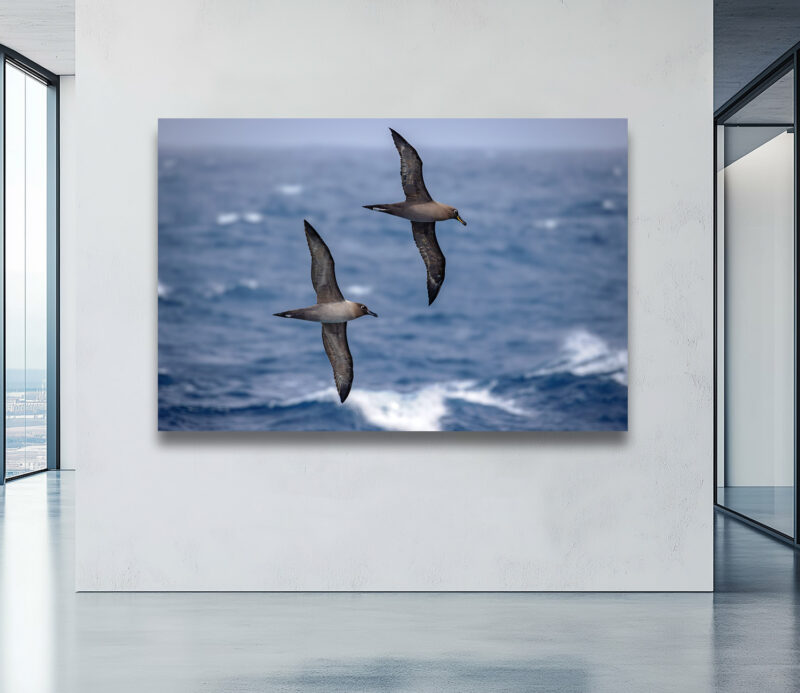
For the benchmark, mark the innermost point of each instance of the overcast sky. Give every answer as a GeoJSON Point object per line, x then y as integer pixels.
{"type": "Point", "coordinates": [507, 133]}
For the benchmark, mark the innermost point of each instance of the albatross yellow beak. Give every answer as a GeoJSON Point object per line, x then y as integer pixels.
{"type": "Point", "coordinates": [458, 216]}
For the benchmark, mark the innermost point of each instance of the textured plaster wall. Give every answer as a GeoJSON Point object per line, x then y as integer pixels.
{"type": "Point", "coordinates": [395, 511]}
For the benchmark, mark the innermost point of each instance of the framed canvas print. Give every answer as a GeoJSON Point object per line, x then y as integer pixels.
{"type": "Point", "coordinates": [392, 275]}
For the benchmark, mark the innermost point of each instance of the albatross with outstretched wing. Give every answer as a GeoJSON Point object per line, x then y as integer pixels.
{"type": "Point", "coordinates": [332, 310]}
{"type": "Point", "coordinates": [422, 211]}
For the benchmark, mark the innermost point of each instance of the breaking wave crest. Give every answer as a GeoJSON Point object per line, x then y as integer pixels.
{"type": "Point", "coordinates": [584, 353]}
{"type": "Point", "coordinates": [424, 409]}
{"type": "Point", "coordinates": [420, 410]}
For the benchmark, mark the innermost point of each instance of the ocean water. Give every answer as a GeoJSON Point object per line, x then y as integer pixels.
{"type": "Point", "coordinates": [529, 331]}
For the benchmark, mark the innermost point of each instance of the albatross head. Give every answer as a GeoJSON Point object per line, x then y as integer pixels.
{"type": "Point", "coordinates": [366, 311]}
{"type": "Point", "coordinates": [454, 215]}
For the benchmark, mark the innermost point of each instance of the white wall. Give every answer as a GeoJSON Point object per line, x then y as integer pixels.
{"type": "Point", "coordinates": [759, 306]}
{"type": "Point", "coordinates": [68, 252]}
{"type": "Point", "coordinates": [395, 511]}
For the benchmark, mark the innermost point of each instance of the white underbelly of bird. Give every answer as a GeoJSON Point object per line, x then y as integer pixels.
{"type": "Point", "coordinates": [422, 211]}
{"type": "Point", "coordinates": [341, 311]}
{"type": "Point", "coordinates": [332, 309]}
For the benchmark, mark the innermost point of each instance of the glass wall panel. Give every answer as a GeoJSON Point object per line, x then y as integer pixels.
{"type": "Point", "coordinates": [756, 251]}
{"type": "Point", "coordinates": [25, 230]}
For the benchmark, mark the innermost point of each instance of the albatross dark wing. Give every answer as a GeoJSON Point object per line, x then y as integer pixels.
{"type": "Point", "coordinates": [425, 238]}
{"type": "Point", "coordinates": [410, 171]}
{"type": "Point", "coordinates": [323, 275]}
{"type": "Point", "coordinates": [334, 337]}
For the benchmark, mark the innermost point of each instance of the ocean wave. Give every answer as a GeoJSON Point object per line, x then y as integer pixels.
{"type": "Point", "coordinates": [419, 410]}
{"type": "Point", "coordinates": [548, 224]}
{"type": "Point", "coordinates": [217, 289]}
{"type": "Point", "coordinates": [253, 217]}
{"type": "Point", "coordinates": [251, 284]}
{"type": "Point", "coordinates": [287, 189]}
{"type": "Point", "coordinates": [584, 353]}
{"type": "Point", "coordinates": [358, 290]}
{"type": "Point", "coordinates": [163, 290]}
{"type": "Point", "coordinates": [214, 289]}
{"type": "Point", "coordinates": [423, 409]}
{"type": "Point", "coordinates": [227, 218]}
{"type": "Point", "coordinates": [609, 205]}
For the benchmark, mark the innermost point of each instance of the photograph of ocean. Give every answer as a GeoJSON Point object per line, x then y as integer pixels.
{"type": "Point", "coordinates": [528, 332]}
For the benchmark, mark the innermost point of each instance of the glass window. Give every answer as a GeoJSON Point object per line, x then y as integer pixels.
{"type": "Point", "coordinates": [26, 201]}
{"type": "Point", "coordinates": [756, 283]}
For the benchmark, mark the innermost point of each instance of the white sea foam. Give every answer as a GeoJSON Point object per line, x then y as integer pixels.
{"type": "Point", "coordinates": [621, 377]}
{"type": "Point", "coordinates": [163, 290]}
{"type": "Point", "coordinates": [358, 290]}
{"type": "Point", "coordinates": [421, 410]}
{"type": "Point", "coordinates": [548, 224]}
{"type": "Point", "coordinates": [214, 289]}
{"type": "Point", "coordinates": [411, 411]}
{"type": "Point", "coordinates": [608, 205]}
{"type": "Point", "coordinates": [290, 189]}
{"type": "Point", "coordinates": [424, 410]}
{"type": "Point", "coordinates": [252, 217]}
{"type": "Point", "coordinates": [227, 218]}
{"type": "Point", "coordinates": [584, 353]}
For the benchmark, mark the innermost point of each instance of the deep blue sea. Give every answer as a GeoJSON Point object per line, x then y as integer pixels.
{"type": "Point", "coordinates": [529, 331]}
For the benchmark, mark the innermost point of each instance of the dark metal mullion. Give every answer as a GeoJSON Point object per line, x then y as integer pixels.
{"type": "Point", "coordinates": [757, 86]}
{"type": "Point", "coordinates": [777, 70]}
{"type": "Point", "coordinates": [3, 252]}
{"type": "Point", "coordinates": [715, 318]}
{"type": "Point", "coordinates": [24, 474]}
{"type": "Point", "coordinates": [760, 526]}
{"type": "Point", "coordinates": [796, 58]}
{"type": "Point", "coordinates": [52, 407]}
{"type": "Point", "coordinates": [24, 69]}
{"type": "Point", "coordinates": [36, 70]}
{"type": "Point", "coordinates": [759, 125]}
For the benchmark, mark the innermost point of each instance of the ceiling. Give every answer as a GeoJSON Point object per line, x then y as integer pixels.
{"type": "Point", "coordinates": [42, 30]}
{"type": "Point", "coordinates": [773, 105]}
{"type": "Point", "coordinates": [748, 36]}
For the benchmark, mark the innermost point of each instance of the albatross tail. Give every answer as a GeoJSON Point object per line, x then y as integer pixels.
{"type": "Point", "coordinates": [389, 208]}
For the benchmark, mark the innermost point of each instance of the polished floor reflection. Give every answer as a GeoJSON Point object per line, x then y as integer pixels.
{"type": "Point", "coordinates": [746, 637]}
{"type": "Point", "coordinates": [770, 505]}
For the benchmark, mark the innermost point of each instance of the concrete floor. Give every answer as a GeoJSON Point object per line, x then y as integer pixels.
{"type": "Point", "coordinates": [746, 637]}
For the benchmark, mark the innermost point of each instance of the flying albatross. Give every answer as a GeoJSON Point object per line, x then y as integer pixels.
{"type": "Point", "coordinates": [422, 211]}
{"type": "Point", "coordinates": [332, 310]}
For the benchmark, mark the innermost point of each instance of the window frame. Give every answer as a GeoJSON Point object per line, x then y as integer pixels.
{"type": "Point", "coordinates": [51, 81]}
{"type": "Point", "coordinates": [790, 60]}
